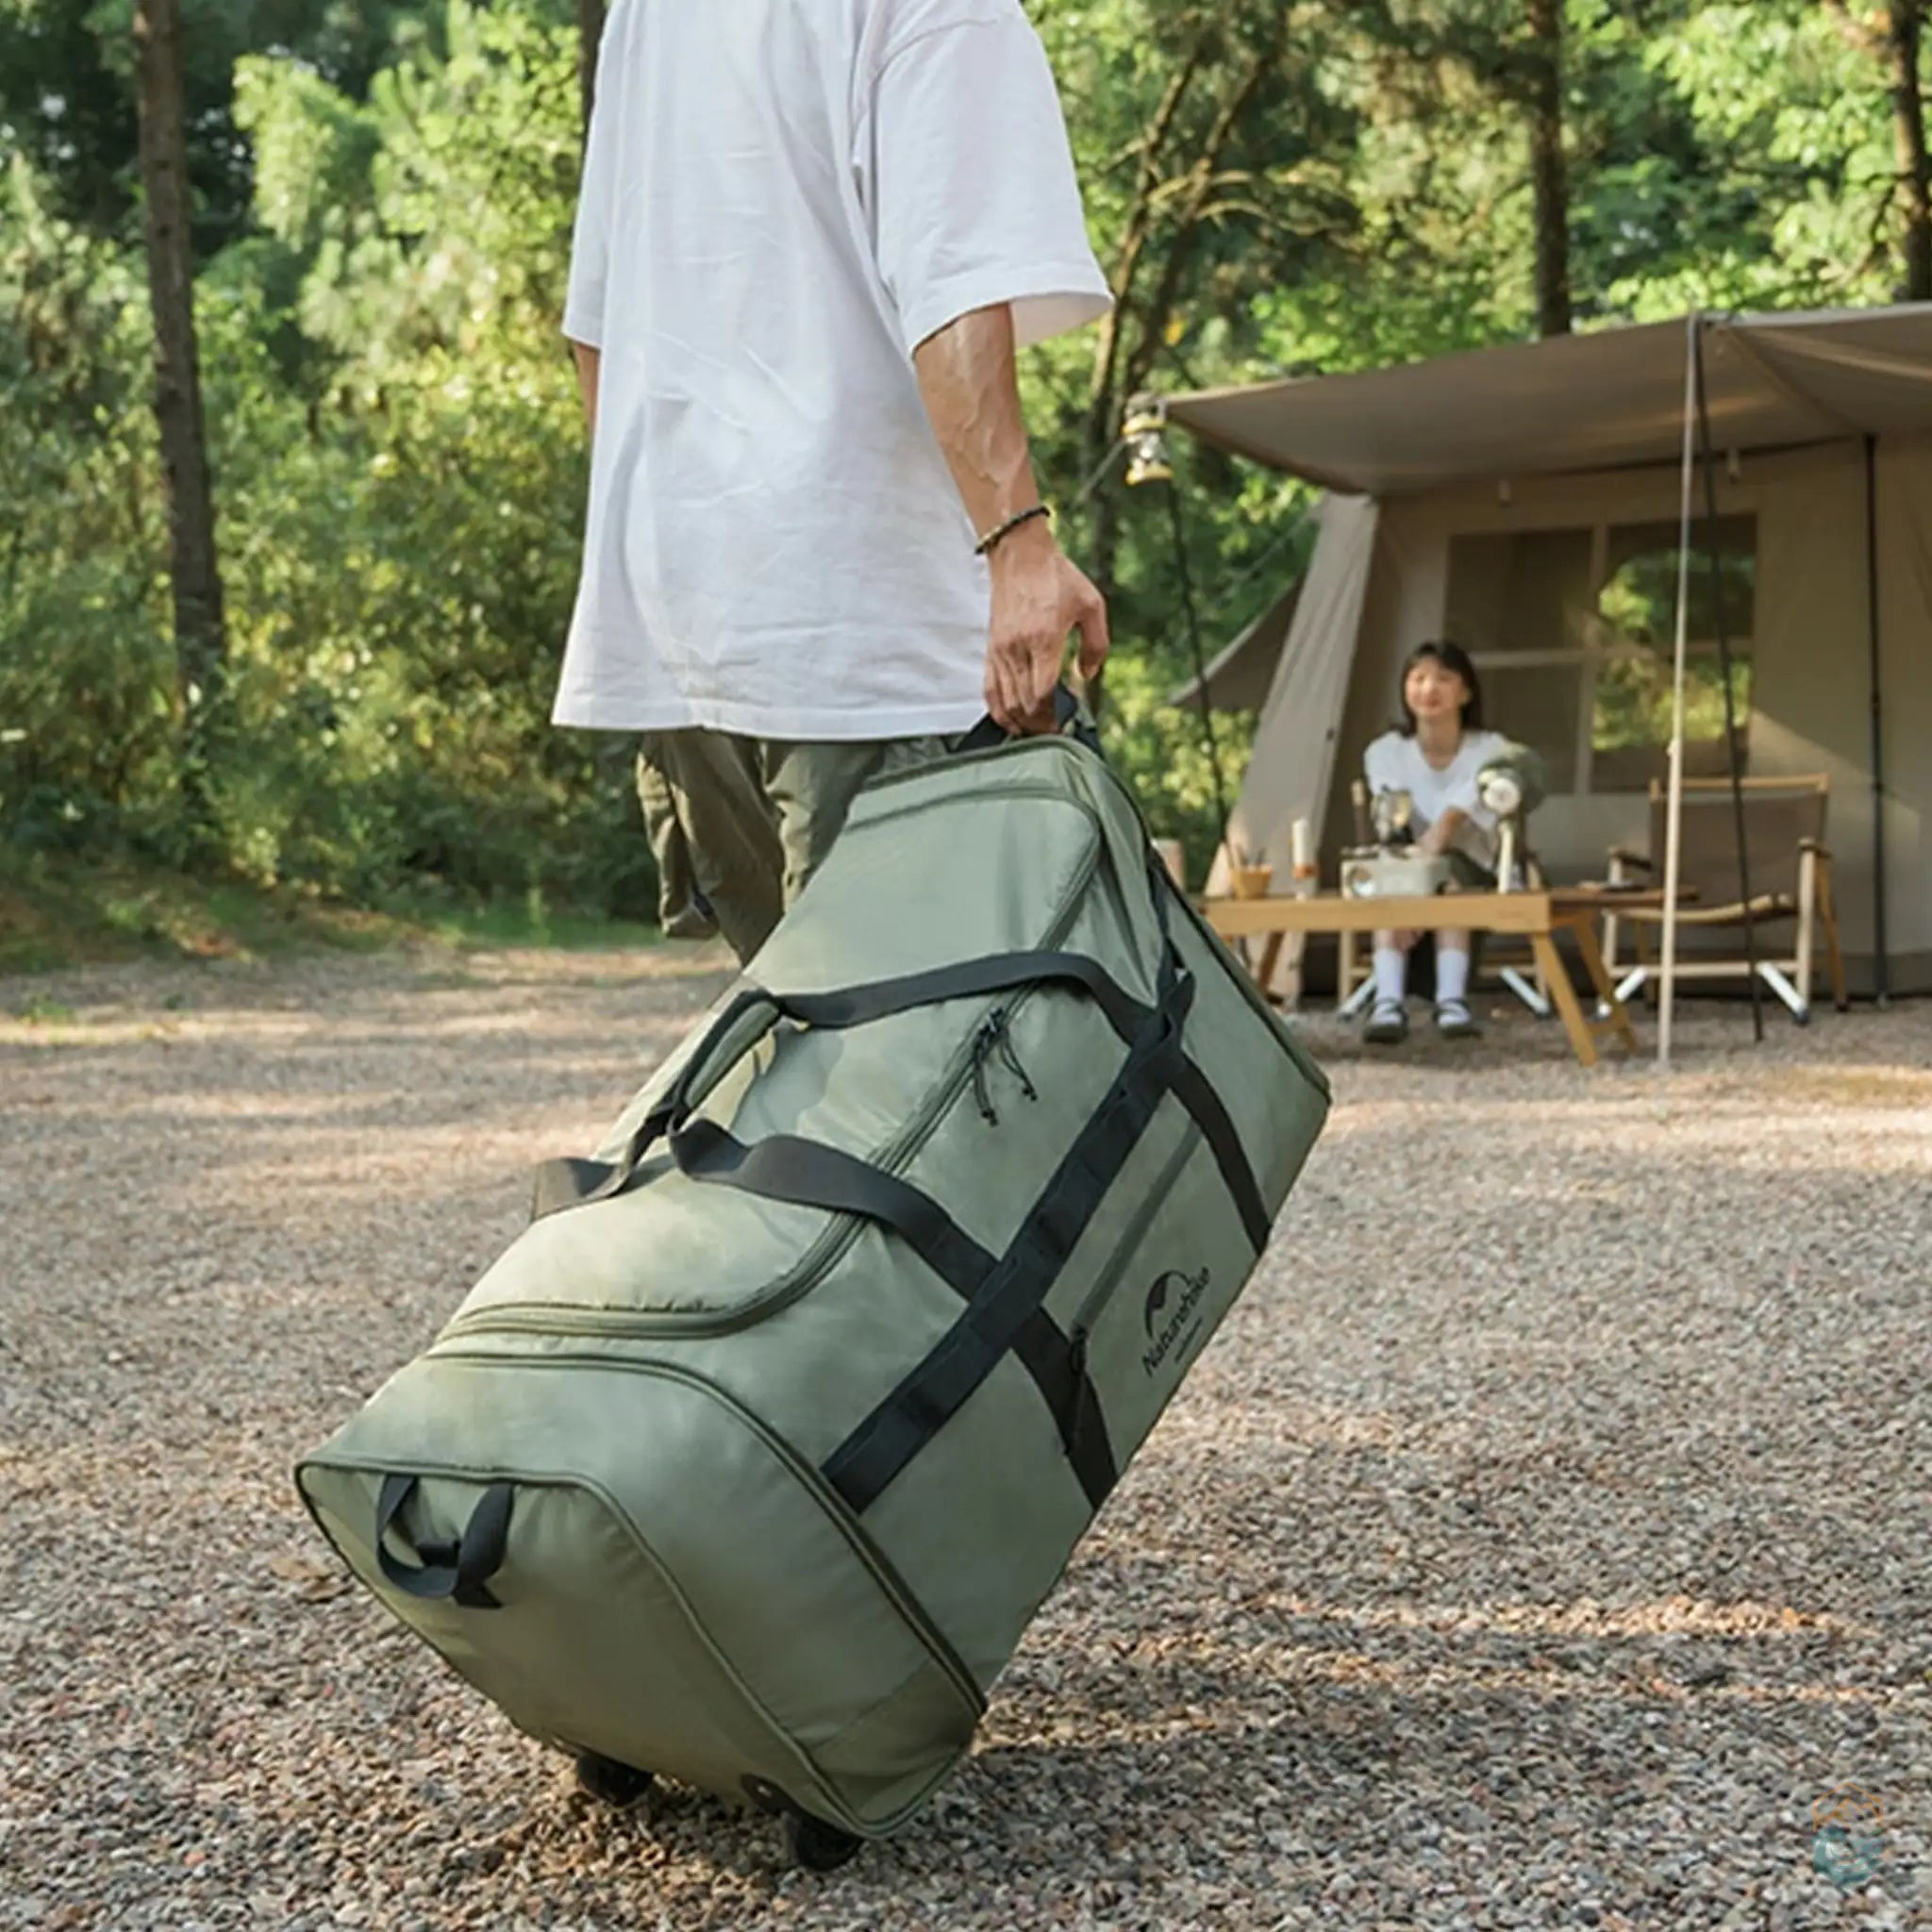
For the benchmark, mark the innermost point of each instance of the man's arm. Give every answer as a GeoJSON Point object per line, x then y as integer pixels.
{"type": "Point", "coordinates": [967, 376]}
{"type": "Point", "coordinates": [588, 361]}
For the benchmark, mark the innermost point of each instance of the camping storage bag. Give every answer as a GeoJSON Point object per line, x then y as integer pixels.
{"type": "Point", "coordinates": [752, 1456]}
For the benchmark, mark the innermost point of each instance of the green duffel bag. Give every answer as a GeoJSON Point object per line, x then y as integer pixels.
{"type": "Point", "coordinates": [751, 1459]}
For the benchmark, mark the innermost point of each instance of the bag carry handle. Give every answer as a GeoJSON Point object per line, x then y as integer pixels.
{"type": "Point", "coordinates": [736, 1032]}
{"type": "Point", "coordinates": [754, 1012]}
{"type": "Point", "coordinates": [457, 1571]}
{"type": "Point", "coordinates": [1070, 720]}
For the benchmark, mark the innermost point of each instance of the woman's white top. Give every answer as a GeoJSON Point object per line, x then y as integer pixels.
{"type": "Point", "coordinates": [1395, 763]}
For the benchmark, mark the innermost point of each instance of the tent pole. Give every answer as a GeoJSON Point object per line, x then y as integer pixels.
{"type": "Point", "coordinates": [1881, 954]}
{"type": "Point", "coordinates": [1724, 658]}
{"type": "Point", "coordinates": [1674, 810]}
{"type": "Point", "coordinates": [1180, 558]}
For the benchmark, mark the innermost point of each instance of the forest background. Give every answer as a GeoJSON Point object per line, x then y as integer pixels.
{"type": "Point", "coordinates": [295, 647]}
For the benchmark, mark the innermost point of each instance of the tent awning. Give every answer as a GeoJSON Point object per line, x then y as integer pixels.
{"type": "Point", "coordinates": [1586, 402]}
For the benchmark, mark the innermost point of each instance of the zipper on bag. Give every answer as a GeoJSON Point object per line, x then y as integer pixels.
{"type": "Point", "coordinates": [818, 1261]}
{"type": "Point", "coordinates": [994, 1041]}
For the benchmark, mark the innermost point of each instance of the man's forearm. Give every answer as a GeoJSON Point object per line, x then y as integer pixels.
{"type": "Point", "coordinates": [972, 391]}
{"type": "Point", "coordinates": [589, 362]}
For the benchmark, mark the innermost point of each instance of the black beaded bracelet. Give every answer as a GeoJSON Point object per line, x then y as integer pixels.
{"type": "Point", "coordinates": [992, 538]}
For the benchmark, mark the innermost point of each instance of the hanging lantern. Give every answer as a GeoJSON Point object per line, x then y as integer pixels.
{"type": "Point", "coordinates": [1146, 431]}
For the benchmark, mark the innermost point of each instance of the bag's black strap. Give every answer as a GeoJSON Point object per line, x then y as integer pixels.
{"type": "Point", "coordinates": [561, 1184]}
{"type": "Point", "coordinates": [859, 1006]}
{"type": "Point", "coordinates": [810, 1175]}
{"type": "Point", "coordinates": [457, 1571]}
{"type": "Point", "coordinates": [1194, 1091]}
{"type": "Point", "coordinates": [882, 1445]}
{"type": "Point", "coordinates": [783, 1168]}
{"type": "Point", "coordinates": [1068, 719]}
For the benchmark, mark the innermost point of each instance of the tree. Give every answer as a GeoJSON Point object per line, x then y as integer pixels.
{"type": "Point", "coordinates": [66, 102]}
{"type": "Point", "coordinates": [1547, 170]}
{"type": "Point", "coordinates": [1204, 139]}
{"type": "Point", "coordinates": [1893, 37]}
{"type": "Point", "coordinates": [200, 641]}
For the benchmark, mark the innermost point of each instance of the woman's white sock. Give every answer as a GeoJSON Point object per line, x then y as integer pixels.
{"type": "Point", "coordinates": [1452, 977]}
{"type": "Point", "coordinates": [1391, 975]}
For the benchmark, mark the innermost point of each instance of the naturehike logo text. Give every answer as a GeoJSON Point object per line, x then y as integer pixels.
{"type": "Point", "coordinates": [1170, 1304]}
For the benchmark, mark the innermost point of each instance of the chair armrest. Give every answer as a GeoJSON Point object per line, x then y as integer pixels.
{"type": "Point", "coordinates": [1622, 855]}
{"type": "Point", "coordinates": [1817, 846]}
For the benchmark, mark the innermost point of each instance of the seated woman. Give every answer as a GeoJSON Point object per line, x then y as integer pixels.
{"type": "Point", "coordinates": [1434, 758]}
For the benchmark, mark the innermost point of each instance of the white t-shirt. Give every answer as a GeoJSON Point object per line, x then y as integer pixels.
{"type": "Point", "coordinates": [1395, 763]}
{"type": "Point", "coordinates": [781, 200]}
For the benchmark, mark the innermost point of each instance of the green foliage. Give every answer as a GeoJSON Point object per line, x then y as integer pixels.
{"type": "Point", "coordinates": [86, 677]}
{"type": "Point", "coordinates": [398, 500]}
{"type": "Point", "coordinates": [1161, 753]}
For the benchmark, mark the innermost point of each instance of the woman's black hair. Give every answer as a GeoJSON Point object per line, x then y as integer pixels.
{"type": "Point", "coordinates": [1451, 658]}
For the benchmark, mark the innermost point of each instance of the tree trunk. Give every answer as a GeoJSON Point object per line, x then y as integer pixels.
{"type": "Point", "coordinates": [1915, 172]}
{"type": "Point", "coordinates": [1547, 169]}
{"type": "Point", "coordinates": [589, 36]}
{"type": "Point", "coordinates": [200, 642]}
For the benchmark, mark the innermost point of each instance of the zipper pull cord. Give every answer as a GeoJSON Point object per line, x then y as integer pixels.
{"type": "Point", "coordinates": [1011, 1055]}
{"type": "Point", "coordinates": [982, 1047]}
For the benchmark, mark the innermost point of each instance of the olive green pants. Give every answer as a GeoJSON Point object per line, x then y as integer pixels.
{"type": "Point", "coordinates": [739, 825]}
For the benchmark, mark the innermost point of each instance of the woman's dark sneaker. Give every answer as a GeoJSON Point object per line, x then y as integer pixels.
{"type": "Point", "coordinates": [1387, 1026]}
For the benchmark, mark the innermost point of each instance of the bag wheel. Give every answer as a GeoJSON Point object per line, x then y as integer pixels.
{"type": "Point", "coordinates": [619, 1785]}
{"type": "Point", "coordinates": [821, 1847]}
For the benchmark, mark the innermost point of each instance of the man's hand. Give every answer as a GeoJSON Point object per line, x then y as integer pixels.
{"type": "Point", "coordinates": [1038, 598]}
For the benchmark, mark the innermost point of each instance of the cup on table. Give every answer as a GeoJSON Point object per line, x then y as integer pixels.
{"type": "Point", "coordinates": [1304, 871]}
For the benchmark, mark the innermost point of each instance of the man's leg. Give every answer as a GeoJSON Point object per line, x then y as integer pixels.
{"type": "Point", "coordinates": [810, 788]}
{"type": "Point", "coordinates": [683, 910]}
{"type": "Point", "coordinates": [730, 830]}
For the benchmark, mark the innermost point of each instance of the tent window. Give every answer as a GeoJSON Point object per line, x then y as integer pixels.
{"type": "Point", "coordinates": [1630, 720]}
{"type": "Point", "coordinates": [1574, 631]}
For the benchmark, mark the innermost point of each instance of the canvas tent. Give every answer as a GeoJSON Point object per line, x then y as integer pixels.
{"type": "Point", "coordinates": [1525, 501]}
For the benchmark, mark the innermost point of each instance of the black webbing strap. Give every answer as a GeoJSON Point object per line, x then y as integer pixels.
{"type": "Point", "coordinates": [1195, 1092]}
{"type": "Point", "coordinates": [1192, 1090]}
{"type": "Point", "coordinates": [1070, 720]}
{"type": "Point", "coordinates": [810, 1175]}
{"type": "Point", "coordinates": [569, 1183]}
{"type": "Point", "coordinates": [561, 1184]}
{"type": "Point", "coordinates": [459, 1570]}
{"type": "Point", "coordinates": [1059, 1367]}
{"type": "Point", "coordinates": [783, 1168]}
{"type": "Point", "coordinates": [882, 1445]}
{"type": "Point", "coordinates": [858, 1005]}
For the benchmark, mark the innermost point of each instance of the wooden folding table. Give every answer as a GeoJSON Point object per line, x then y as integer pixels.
{"type": "Point", "coordinates": [1537, 916]}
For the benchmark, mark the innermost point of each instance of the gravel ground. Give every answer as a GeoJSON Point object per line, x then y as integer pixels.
{"type": "Point", "coordinates": [1545, 1535]}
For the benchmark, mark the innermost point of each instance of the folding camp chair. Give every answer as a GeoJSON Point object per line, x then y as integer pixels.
{"type": "Point", "coordinates": [1791, 880]}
